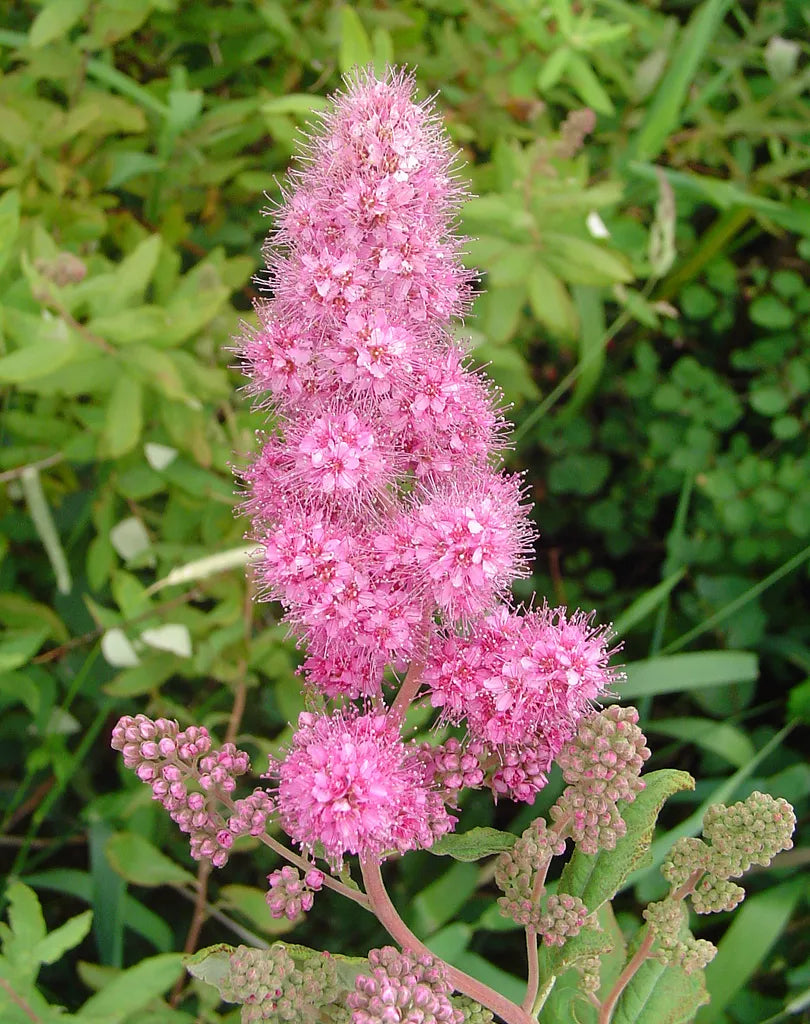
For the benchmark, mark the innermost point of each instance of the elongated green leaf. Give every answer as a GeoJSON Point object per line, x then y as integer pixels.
{"type": "Point", "coordinates": [438, 902]}
{"type": "Point", "coordinates": [679, 672]}
{"type": "Point", "coordinates": [135, 988]}
{"type": "Point", "coordinates": [9, 224]}
{"type": "Point", "coordinates": [722, 738]}
{"type": "Point", "coordinates": [251, 902]}
{"type": "Point", "coordinates": [355, 45]}
{"type": "Point", "coordinates": [140, 919]}
{"type": "Point", "coordinates": [63, 938]}
{"type": "Point", "coordinates": [551, 302]}
{"type": "Point", "coordinates": [18, 647]}
{"type": "Point", "coordinates": [35, 361]}
{"type": "Point", "coordinates": [55, 20]}
{"type": "Point", "coordinates": [598, 877]}
{"type": "Point", "coordinates": [124, 420]}
{"type": "Point", "coordinates": [579, 261]}
{"type": "Point", "coordinates": [473, 844]}
{"type": "Point", "coordinates": [137, 860]}
{"type": "Point", "coordinates": [755, 928]}
{"type": "Point", "coordinates": [647, 603]}
{"type": "Point", "coordinates": [661, 995]}
{"type": "Point", "coordinates": [663, 114]}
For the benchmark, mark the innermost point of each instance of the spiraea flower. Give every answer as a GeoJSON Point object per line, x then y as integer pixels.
{"type": "Point", "coordinates": [350, 784]}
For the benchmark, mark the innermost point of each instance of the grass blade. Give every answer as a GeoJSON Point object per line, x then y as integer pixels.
{"type": "Point", "coordinates": [664, 113]}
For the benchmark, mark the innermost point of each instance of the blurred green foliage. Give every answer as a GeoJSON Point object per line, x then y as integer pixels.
{"type": "Point", "coordinates": [644, 307]}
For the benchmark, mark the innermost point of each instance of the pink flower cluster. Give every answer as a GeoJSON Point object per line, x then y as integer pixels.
{"type": "Point", "coordinates": [190, 780]}
{"type": "Point", "coordinates": [375, 502]}
{"type": "Point", "coordinates": [387, 527]}
{"type": "Point", "coordinates": [352, 785]}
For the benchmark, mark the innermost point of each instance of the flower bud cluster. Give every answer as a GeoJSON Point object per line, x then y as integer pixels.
{"type": "Point", "coordinates": [751, 831]}
{"type": "Point", "coordinates": [473, 1013]}
{"type": "Point", "coordinates": [289, 894]}
{"type": "Point", "coordinates": [454, 767]}
{"type": "Point", "coordinates": [272, 987]}
{"type": "Point", "coordinates": [590, 974]}
{"type": "Point", "coordinates": [601, 765]}
{"type": "Point", "coordinates": [712, 894]}
{"type": "Point", "coordinates": [190, 779]}
{"type": "Point", "coordinates": [516, 874]}
{"type": "Point", "coordinates": [675, 944]}
{"type": "Point", "coordinates": [562, 918]}
{"type": "Point", "coordinates": [403, 988]}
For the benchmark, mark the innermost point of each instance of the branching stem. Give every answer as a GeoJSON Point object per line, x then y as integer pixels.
{"type": "Point", "coordinates": [387, 914]}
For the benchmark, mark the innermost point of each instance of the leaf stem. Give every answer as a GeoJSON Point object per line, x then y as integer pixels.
{"type": "Point", "coordinates": [387, 914]}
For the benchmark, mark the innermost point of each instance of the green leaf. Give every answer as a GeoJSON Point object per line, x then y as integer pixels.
{"type": "Point", "coordinates": [124, 419]}
{"type": "Point", "coordinates": [581, 262]}
{"type": "Point", "coordinates": [590, 90]}
{"type": "Point", "coordinates": [17, 647]}
{"type": "Point", "coordinates": [722, 738]}
{"type": "Point", "coordinates": [9, 224]}
{"type": "Point", "coordinates": [663, 114]}
{"type": "Point", "coordinates": [678, 672]}
{"type": "Point", "coordinates": [27, 926]}
{"type": "Point", "coordinates": [63, 938]}
{"type": "Point", "coordinates": [661, 995]}
{"type": "Point", "coordinates": [355, 45]}
{"type": "Point", "coordinates": [252, 903]}
{"type": "Point", "coordinates": [35, 361]}
{"type": "Point", "coordinates": [647, 603]}
{"type": "Point", "coordinates": [551, 302]}
{"type": "Point", "coordinates": [140, 919]}
{"type": "Point", "coordinates": [473, 844]}
{"type": "Point", "coordinates": [597, 877]}
{"type": "Point", "coordinates": [755, 928]}
{"type": "Point", "coordinates": [55, 20]}
{"type": "Point", "coordinates": [135, 988]}
{"type": "Point", "coordinates": [212, 965]}
{"type": "Point", "coordinates": [138, 861]}
{"type": "Point", "coordinates": [553, 68]}
{"type": "Point", "coordinates": [438, 902]}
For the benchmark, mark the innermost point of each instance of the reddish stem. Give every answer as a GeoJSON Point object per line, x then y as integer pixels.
{"type": "Point", "coordinates": [641, 954]}
{"type": "Point", "coordinates": [387, 914]}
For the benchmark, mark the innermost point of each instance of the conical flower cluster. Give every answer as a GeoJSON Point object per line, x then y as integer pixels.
{"type": "Point", "coordinates": [386, 525]}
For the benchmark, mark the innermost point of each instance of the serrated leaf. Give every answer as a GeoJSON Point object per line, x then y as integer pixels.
{"type": "Point", "coordinates": [597, 877]}
{"type": "Point", "coordinates": [473, 844]}
{"type": "Point", "coordinates": [137, 860]}
{"type": "Point", "coordinates": [135, 988]}
{"type": "Point", "coordinates": [63, 938]}
{"type": "Point", "coordinates": [27, 927]}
